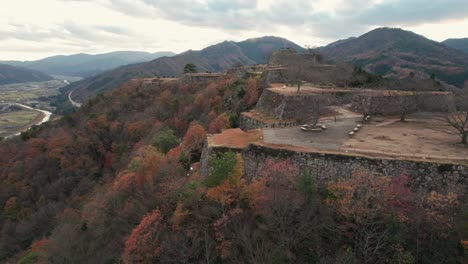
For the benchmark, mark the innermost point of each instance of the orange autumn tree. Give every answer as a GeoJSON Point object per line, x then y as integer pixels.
{"type": "Point", "coordinates": [231, 188]}
{"type": "Point", "coordinates": [194, 140]}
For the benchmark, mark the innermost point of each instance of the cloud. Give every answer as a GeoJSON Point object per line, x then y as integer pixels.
{"type": "Point", "coordinates": [66, 26]}
{"type": "Point", "coordinates": [411, 12]}
{"type": "Point", "coordinates": [65, 31]}
{"type": "Point", "coordinates": [344, 18]}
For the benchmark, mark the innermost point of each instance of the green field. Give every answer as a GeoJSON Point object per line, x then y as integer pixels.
{"type": "Point", "coordinates": [11, 123]}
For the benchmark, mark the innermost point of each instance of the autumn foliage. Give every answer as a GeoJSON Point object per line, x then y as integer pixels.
{"type": "Point", "coordinates": [142, 246]}
{"type": "Point", "coordinates": [112, 183]}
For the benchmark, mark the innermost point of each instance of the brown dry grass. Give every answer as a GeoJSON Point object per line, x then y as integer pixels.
{"type": "Point", "coordinates": [307, 90]}
{"type": "Point", "coordinates": [234, 138]}
{"type": "Point", "coordinates": [415, 138]}
{"type": "Point", "coordinates": [263, 117]}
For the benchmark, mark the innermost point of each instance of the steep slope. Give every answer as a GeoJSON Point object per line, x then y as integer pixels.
{"type": "Point", "coordinates": [85, 65]}
{"type": "Point", "coordinates": [396, 53]}
{"type": "Point", "coordinates": [459, 44]}
{"type": "Point", "coordinates": [215, 58]}
{"type": "Point", "coordinates": [13, 74]}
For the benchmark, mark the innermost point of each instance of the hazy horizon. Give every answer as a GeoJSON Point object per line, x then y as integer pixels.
{"type": "Point", "coordinates": [64, 27]}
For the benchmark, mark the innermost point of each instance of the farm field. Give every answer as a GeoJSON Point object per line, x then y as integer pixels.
{"type": "Point", "coordinates": [23, 92]}
{"type": "Point", "coordinates": [13, 122]}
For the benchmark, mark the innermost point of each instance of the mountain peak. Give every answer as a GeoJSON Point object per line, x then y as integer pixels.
{"type": "Point", "coordinates": [394, 52]}
{"type": "Point", "coordinates": [215, 58]}
{"type": "Point", "coordinates": [457, 43]}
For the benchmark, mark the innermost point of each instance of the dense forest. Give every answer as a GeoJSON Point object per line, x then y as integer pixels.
{"type": "Point", "coordinates": [117, 181]}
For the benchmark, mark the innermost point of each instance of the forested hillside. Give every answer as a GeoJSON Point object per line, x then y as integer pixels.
{"type": "Point", "coordinates": [113, 182]}
{"type": "Point", "coordinates": [215, 58]}
{"type": "Point", "coordinates": [396, 53]}
{"type": "Point", "coordinates": [13, 74]}
{"type": "Point", "coordinates": [86, 65]}
{"type": "Point", "coordinates": [459, 44]}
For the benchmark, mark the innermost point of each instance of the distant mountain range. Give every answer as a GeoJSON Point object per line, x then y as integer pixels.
{"type": "Point", "coordinates": [214, 58]}
{"type": "Point", "coordinates": [86, 65]}
{"type": "Point", "coordinates": [390, 52]}
{"type": "Point", "coordinates": [395, 53]}
{"type": "Point", "coordinates": [459, 44]}
{"type": "Point", "coordinates": [13, 74]}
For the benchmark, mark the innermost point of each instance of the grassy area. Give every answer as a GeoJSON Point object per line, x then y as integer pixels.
{"type": "Point", "coordinates": [14, 122]}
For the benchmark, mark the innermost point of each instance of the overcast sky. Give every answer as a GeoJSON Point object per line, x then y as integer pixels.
{"type": "Point", "coordinates": [33, 29]}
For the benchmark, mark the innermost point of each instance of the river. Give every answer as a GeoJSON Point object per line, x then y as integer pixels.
{"type": "Point", "coordinates": [46, 118]}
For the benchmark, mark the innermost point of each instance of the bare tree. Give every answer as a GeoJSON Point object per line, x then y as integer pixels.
{"type": "Point", "coordinates": [405, 102]}
{"type": "Point", "coordinates": [296, 73]}
{"type": "Point", "coordinates": [456, 118]}
{"type": "Point", "coordinates": [316, 107]}
{"type": "Point", "coordinates": [365, 104]}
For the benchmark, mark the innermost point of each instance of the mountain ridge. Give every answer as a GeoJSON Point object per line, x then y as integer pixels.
{"type": "Point", "coordinates": [457, 43]}
{"type": "Point", "coordinates": [215, 58]}
{"type": "Point", "coordinates": [14, 74]}
{"type": "Point", "coordinates": [395, 53]}
{"type": "Point", "coordinates": [86, 65]}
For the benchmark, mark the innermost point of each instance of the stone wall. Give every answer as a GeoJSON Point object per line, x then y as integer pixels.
{"type": "Point", "coordinates": [426, 102]}
{"type": "Point", "coordinates": [442, 177]}
{"type": "Point", "coordinates": [248, 123]}
{"type": "Point", "coordinates": [297, 107]}
{"type": "Point", "coordinates": [205, 158]}
{"type": "Point", "coordinates": [273, 76]}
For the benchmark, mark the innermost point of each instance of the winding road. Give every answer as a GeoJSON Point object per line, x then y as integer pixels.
{"type": "Point", "coordinates": [74, 103]}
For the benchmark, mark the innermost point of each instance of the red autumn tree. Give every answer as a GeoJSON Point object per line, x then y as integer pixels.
{"type": "Point", "coordinates": [251, 93]}
{"type": "Point", "coordinates": [275, 189]}
{"type": "Point", "coordinates": [194, 140]}
{"type": "Point", "coordinates": [142, 246]}
{"type": "Point", "coordinates": [221, 122]}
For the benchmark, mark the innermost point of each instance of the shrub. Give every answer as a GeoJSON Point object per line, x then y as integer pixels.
{"type": "Point", "coordinates": [220, 168]}
{"type": "Point", "coordinates": [165, 140]}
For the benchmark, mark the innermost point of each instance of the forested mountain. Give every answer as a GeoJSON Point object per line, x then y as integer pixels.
{"type": "Point", "coordinates": [13, 74]}
{"type": "Point", "coordinates": [459, 44]}
{"type": "Point", "coordinates": [85, 65]}
{"type": "Point", "coordinates": [215, 58]}
{"type": "Point", "coordinates": [396, 53]}
{"type": "Point", "coordinates": [111, 183]}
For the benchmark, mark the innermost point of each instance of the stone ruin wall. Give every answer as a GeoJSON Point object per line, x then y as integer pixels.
{"type": "Point", "coordinates": [295, 107]}
{"type": "Point", "coordinates": [427, 175]}
{"type": "Point", "coordinates": [248, 123]}
{"type": "Point", "coordinates": [273, 76]}
{"type": "Point", "coordinates": [426, 103]}
{"type": "Point", "coordinates": [442, 177]}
